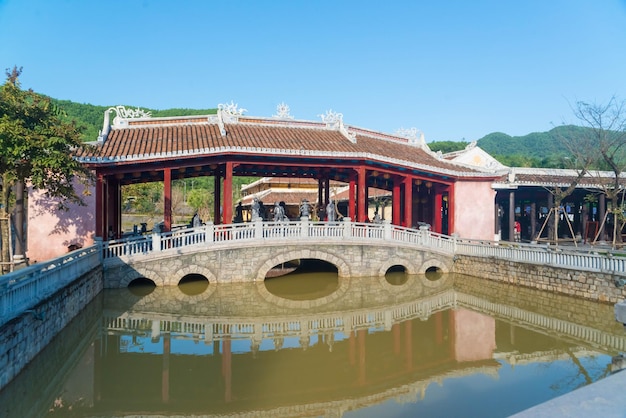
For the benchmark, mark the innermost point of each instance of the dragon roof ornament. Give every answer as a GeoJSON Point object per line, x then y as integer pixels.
{"type": "Point", "coordinates": [121, 114]}
{"type": "Point", "coordinates": [228, 113]}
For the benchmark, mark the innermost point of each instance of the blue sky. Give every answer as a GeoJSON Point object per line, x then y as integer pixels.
{"type": "Point", "coordinates": [453, 69]}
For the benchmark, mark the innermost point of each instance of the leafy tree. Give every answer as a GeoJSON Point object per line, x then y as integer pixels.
{"type": "Point", "coordinates": [36, 148]}
{"type": "Point", "coordinates": [606, 142]}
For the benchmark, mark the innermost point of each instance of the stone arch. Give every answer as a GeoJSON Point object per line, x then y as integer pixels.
{"type": "Point", "coordinates": [397, 261]}
{"type": "Point", "coordinates": [141, 271]}
{"type": "Point", "coordinates": [343, 269]}
{"type": "Point", "coordinates": [433, 262]}
{"type": "Point", "coordinates": [195, 269]}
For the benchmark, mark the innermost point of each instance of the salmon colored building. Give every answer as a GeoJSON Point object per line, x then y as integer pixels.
{"type": "Point", "coordinates": [453, 198]}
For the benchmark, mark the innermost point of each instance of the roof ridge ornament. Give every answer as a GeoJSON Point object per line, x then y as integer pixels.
{"type": "Point", "coordinates": [414, 135]}
{"type": "Point", "coordinates": [332, 119]}
{"type": "Point", "coordinates": [228, 113]}
{"type": "Point", "coordinates": [121, 113]}
{"type": "Point", "coordinates": [282, 111]}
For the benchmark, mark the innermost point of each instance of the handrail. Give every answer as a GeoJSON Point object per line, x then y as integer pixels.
{"type": "Point", "coordinates": [370, 233]}
{"type": "Point", "coordinates": [24, 288]}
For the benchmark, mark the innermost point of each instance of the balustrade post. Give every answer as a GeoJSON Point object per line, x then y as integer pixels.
{"type": "Point", "coordinates": [258, 228]}
{"type": "Point", "coordinates": [156, 241]}
{"type": "Point", "coordinates": [209, 231]}
{"type": "Point", "coordinates": [347, 228]}
{"type": "Point", "coordinates": [387, 227]}
{"type": "Point", "coordinates": [424, 233]}
{"type": "Point", "coordinates": [304, 226]}
{"type": "Point", "coordinates": [99, 245]}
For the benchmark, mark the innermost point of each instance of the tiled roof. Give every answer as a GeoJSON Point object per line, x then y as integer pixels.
{"type": "Point", "coordinates": [166, 138]}
{"type": "Point", "coordinates": [519, 176]}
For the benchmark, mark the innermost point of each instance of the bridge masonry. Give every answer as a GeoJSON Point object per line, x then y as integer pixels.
{"type": "Point", "coordinates": [250, 262]}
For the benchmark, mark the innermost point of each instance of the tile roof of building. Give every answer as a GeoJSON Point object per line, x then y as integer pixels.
{"type": "Point", "coordinates": [552, 177]}
{"type": "Point", "coordinates": [132, 141]}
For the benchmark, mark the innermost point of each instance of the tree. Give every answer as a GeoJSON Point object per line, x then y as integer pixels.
{"type": "Point", "coordinates": [607, 133]}
{"type": "Point", "coordinates": [36, 148]}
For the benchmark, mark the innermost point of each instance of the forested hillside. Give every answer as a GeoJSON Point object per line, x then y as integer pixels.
{"type": "Point", "coordinates": [537, 149]}
{"type": "Point", "coordinates": [90, 117]}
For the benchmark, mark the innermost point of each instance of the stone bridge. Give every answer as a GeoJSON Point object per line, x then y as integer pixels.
{"type": "Point", "coordinates": [247, 252]}
{"type": "Point", "coordinates": [251, 261]}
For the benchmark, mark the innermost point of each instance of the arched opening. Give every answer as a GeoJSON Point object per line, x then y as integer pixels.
{"type": "Point", "coordinates": [433, 273]}
{"type": "Point", "coordinates": [283, 269]}
{"type": "Point", "coordinates": [396, 275]}
{"type": "Point", "coordinates": [193, 284]}
{"type": "Point", "coordinates": [141, 286]}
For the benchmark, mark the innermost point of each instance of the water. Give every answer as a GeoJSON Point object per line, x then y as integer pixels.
{"type": "Point", "coordinates": [316, 345]}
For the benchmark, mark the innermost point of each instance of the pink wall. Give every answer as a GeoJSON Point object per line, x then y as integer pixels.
{"type": "Point", "coordinates": [474, 214]}
{"type": "Point", "coordinates": [51, 231]}
{"type": "Point", "coordinates": [474, 336]}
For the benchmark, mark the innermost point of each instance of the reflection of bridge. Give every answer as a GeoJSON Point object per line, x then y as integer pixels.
{"type": "Point", "coordinates": [258, 327]}
{"type": "Point", "coordinates": [380, 321]}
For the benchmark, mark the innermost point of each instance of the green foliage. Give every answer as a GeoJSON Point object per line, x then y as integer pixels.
{"type": "Point", "coordinates": [36, 143]}
{"type": "Point", "coordinates": [447, 146]}
{"type": "Point", "coordinates": [538, 149]}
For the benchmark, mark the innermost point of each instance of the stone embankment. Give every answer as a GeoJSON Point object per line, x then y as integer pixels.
{"type": "Point", "coordinates": [597, 286]}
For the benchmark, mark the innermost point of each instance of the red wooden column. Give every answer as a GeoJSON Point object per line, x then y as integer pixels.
{"type": "Point", "coordinates": [326, 191]}
{"type": "Point", "coordinates": [395, 211]}
{"type": "Point", "coordinates": [437, 226]}
{"type": "Point", "coordinates": [451, 203]}
{"type": "Point", "coordinates": [228, 194]}
{"type": "Point", "coordinates": [100, 210]}
{"type": "Point", "coordinates": [362, 195]}
{"type": "Point", "coordinates": [320, 196]}
{"type": "Point", "coordinates": [408, 201]}
{"type": "Point", "coordinates": [352, 199]}
{"type": "Point", "coordinates": [111, 208]}
{"type": "Point", "coordinates": [167, 199]}
{"type": "Point", "coordinates": [217, 198]}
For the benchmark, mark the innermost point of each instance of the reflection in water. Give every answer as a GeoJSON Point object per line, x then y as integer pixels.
{"type": "Point", "coordinates": [304, 286]}
{"type": "Point", "coordinates": [457, 346]}
{"type": "Point", "coordinates": [396, 278]}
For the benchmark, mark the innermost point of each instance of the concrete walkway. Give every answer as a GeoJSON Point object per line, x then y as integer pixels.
{"type": "Point", "coordinates": [605, 398]}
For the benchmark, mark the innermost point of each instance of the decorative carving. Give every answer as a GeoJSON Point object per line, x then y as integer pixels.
{"type": "Point", "coordinates": [120, 113]}
{"type": "Point", "coordinates": [332, 119]}
{"type": "Point", "coordinates": [282, 112]}
{"type": "Point", "coordinates": [231, 109]}
{"type": "Point", "coordinates": [124, 113]}
{"type": "Point", "coordinates": [414, 135]}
